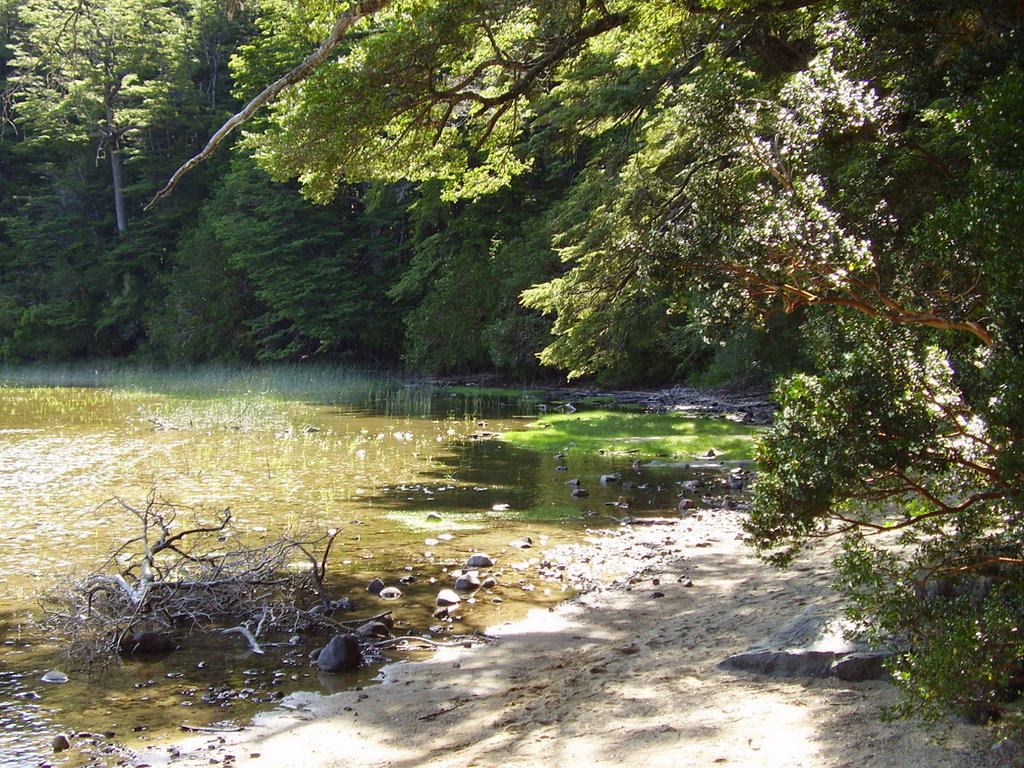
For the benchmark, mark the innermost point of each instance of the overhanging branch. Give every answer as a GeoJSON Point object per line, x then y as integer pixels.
{"type": "Point", "coordinates": [358, 11]}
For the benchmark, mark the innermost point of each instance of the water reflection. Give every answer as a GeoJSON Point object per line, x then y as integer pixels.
{"type": "Point", "coordinates": [412, 496]}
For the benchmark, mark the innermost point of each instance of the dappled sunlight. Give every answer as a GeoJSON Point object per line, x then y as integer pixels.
{"type": "Point", "coordinates": [649, 435]}
{"type": "Point", "coordinates": [624, 676]}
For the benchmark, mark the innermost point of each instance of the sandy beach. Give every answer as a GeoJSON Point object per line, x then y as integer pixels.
{"type": "Point", "coordinates": [625, 675]}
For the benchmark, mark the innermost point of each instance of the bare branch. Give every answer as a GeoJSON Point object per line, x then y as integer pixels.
{"type": "Point", "coordinates": [358, 11]}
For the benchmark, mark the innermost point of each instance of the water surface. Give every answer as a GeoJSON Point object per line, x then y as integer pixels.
{"type": "Point", "coordinates": [381, 472]}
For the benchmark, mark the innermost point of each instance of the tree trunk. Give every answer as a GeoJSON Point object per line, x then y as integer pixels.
{"type": "Point", "coordinates": [117, 172]}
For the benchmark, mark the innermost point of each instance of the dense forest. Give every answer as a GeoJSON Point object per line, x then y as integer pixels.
{"type": "Point", "coordinates": [829, 193]}
{"type": "Point", "coordinates": [414, 246]}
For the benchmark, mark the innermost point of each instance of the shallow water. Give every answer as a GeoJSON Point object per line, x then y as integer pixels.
{"type": "Point", "coordinates": [284, 468]}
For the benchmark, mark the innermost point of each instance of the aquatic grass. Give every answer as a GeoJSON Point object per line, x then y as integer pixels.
{"type": "Point", "coordinates": [427, 520]}
{"type": "Point", "coordinates": [553, 514]}
{"type": "Point", "coordinates": [502, 392]}
{"type": "Point", "coordinates": [642, 435]}
{"type": "Point", "coordinates": [319, 382]}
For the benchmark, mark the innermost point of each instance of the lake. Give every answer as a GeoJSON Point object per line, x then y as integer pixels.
{"type": "Point", "coordinates": [399, 470]}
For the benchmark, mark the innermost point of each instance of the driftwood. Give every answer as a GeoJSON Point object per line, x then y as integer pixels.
{"type": "Point", "coordinates": [173, 578]}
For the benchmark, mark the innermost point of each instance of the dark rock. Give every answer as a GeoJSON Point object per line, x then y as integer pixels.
{"type": "Point", "coordinates": [580, 493]}
{"type": "Point", "coordinates": [605, 479]}
{"type": "Point", "coordinates": [375, 586]}
{"type": "Point", "coordinates": [489, 583]}
{"type": "Point", "coordinates": [782, 663]}
{"type": "Point", "coordinates": [685, 504]}
{"type": "Point", "coordinates": [374, 629]}
{"type": "Point", "coordinates": [342, 654]}
{"type": "Point", "coordinates": [860, 666]}
{"type": "Point", "coordinates": [810, 645]}
{"type": "Point", "coordinates": [145, 643]}
{"type": "Point", "coordinates": [479, 560]}
{"type": "Point", "coordinates": [467, 582]}
{"type": "Point", "coordinates": [60, 743]}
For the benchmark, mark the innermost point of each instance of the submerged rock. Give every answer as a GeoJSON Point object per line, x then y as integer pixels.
{"type": "Point", "coordinates": [479, 560]}
{"type": "Point", "coordinates": [145, 643]}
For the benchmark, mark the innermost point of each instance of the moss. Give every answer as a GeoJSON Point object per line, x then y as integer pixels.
{"type": "Point", "coordinates": [644, 435]}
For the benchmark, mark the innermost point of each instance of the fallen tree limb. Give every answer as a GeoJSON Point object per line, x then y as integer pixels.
{"type": "Point", "coordinates": [248, 635]}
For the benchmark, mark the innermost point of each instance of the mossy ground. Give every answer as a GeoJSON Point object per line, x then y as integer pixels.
{"type": "Point", "coordinates": [643, 435]}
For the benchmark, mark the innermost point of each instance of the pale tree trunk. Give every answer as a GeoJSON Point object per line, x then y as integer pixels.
{"type": "Point", "coordinates": [117, 172]}
{"type": "Point", "coordinates": [111, 140]}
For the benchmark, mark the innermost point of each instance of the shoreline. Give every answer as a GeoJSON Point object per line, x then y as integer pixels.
{"type": "Point", "coordinates": [625, 674]}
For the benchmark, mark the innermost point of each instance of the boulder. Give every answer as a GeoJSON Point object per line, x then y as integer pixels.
{"type": "Point", "coordinates": [479, 560]}
{"type": "Point", "coordinates": [341, 654]}
{"type": "Point", "coordinates": [375, 586]}
{"type": "Point", "coordinates": [782, 662]}
{"type": "Point", "coordinates": [813, 644]}
{"type": "Point", "coordinates": [860, 666]}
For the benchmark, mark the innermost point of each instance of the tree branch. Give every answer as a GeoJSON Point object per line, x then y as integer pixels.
{"type": "Point", "coordinates": [355, 13]}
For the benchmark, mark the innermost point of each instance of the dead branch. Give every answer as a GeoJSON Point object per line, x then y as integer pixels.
{"type": "Point", "coordinates": [171, 577]}
{"type": "Point", "coordinates": [249, 637]}
{"type": "Point", "coordinates": [345, 21]}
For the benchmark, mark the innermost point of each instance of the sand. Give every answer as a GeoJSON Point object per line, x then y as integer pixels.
{"type": "Point", "coordinates": [625, 675]}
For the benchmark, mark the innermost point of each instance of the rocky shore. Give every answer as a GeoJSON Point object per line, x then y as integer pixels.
{"type": "Point", "coordinates": [628, 674]}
